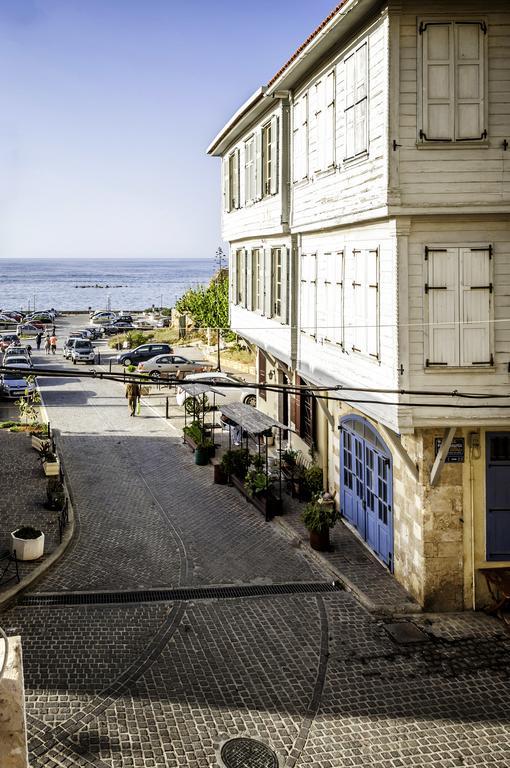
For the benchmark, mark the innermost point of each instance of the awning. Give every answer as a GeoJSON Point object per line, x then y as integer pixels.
{"type": "Point", "coordinates": [194, 389]}
{"type": "Point", "coordinates": [249, 418]}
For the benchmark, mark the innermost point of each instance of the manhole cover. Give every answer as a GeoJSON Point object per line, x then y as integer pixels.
{"type": "Point", "coordinates": [248, 753]}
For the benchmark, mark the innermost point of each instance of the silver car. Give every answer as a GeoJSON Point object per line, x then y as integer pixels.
{"type": "Point", "coordinates": [239, 391]}
{"type": "Point", "coordinates": [15, 385]}
{"type": "Point", "coordinates": [163, 366]}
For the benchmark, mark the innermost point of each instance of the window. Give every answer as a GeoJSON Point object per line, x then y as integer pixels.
{"type": "Point", "coordinates": [300, 139]}
{"type": "Point", "coordinates": [231, 197]}
{"type": "Point", "coordinates": [249, 171]}
{"type": "Point", "coordinates": [459, 292]}
{"type": "Point", "coordinates": [262, 374]}
{"type": "Point", "coordinates": [365, 302]}
{"type": "Point", "coordinates": [240, 294]}
{"type": "Point", "coordinates": [324, 122]}
{"type": "Point", "coordinates": [453, 74]}
{"type": "Point", "coordinates": [304, 415]}
{"type": "Point", "coordinates": [257, 274]}
{"type": "Point", "coordinates": [356, 98]}
{"type": "Point", "coordinates": [270, 157]}
{"type": "Point", "coordinates": [276, 269]}
{"type": "Point", "coordinates": [330, 300]}
{"type": "Point", "coordinates": [308, 294]}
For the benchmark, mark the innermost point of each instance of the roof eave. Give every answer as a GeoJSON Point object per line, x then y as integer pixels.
{"type": "Point", "coordinates": [244, 115]}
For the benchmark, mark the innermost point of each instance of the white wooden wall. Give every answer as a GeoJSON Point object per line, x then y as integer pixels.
{"type": "Point", "coordinates": [433, 176]}
{"type": "Point", "coordinates": [325, 362]}
{"type": "Point", "coordinates": [355, 187]}
{"type": "Point", "coordinates": [459, 232]}
{"type": "Point", "coordinates": [263, 217]}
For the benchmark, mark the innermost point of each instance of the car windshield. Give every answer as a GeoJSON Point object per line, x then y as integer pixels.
{"type": "Point", "coordinates": [17, 360]}
{"type": "Point", "coordinates": [82, 344]}
{"type": "Point", "coordinates": [14, 377]}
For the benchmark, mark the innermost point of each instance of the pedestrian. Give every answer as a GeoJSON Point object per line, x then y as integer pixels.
{"type": "Point", "coordinates": [38, 339]}
{"type": "Point", "coordinates": [133, 394]}
{"type": "Point", "coordinates": [53, 343]}
{"type": "Point", "coordinates": [47, 344]}
{"type": "Point", "coordinates": [53, 331]}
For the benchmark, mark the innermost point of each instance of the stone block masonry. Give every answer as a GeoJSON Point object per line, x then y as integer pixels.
{"type": "Point", "coordinates": [13, 729]}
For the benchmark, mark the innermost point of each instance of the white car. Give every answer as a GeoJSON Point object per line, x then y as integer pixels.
{"type": "Point", "coordinates": [143, 324]}
{"type": "Point", "coordinates": [15, 385]}
{"type": "Point", "coordinates": [163, 366]}
{"type": "Point", "coordinates": [82, 351]}
{"type": "Point", "coordinates": [17, 352]}
{"type": "Point", "coordinates": [22, 361]}
{"type": "Point", "coordinates": [240, 392]}
{"type": "Point", "coordinates": [102, 318]}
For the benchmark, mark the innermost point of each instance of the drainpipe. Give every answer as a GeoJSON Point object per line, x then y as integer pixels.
{"type": "Point", "coordinates": [325, 445]}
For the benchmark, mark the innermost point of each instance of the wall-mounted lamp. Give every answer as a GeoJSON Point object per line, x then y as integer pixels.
{"type": "Point", "coordinates": [271, 374]}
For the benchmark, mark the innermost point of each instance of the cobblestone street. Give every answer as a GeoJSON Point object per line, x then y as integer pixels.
{"type": "Point", "coordinates": [164, 683]}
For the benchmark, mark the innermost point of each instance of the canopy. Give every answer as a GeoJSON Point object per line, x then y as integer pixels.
{"type": "Point", "coordinates": [194, 389]}
{"type": "Point", "coordinates": [249, 418]}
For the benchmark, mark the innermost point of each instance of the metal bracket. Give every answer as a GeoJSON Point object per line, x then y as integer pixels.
{"type": "Point", "coordinates": [429, 363]}
{"type": "Point", "coordinates": [424, 137]}
{"type": "Point", "coordinates": [484, 362]}
{"type": "Point", "coordinates": [489, 248]}
{"type": "Point", "coordinates": [435, 287]}
{"type": "Point", "coordinates": [475, 138]}
{"type": "Point", "coordinates": [505, 145]}
{"type": "Point", "coordinates": [395, 145]}
{"type": "Point", "coordinates": [434, 250]}
{"type": "Point", "coordinates": [482, 287]}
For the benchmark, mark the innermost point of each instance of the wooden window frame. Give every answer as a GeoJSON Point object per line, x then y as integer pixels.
{"type": "Point", "coordinates": [356, 103]}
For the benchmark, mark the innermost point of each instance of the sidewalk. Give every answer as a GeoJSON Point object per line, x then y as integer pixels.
{"type": "Point", "coordinates": [22, 500]}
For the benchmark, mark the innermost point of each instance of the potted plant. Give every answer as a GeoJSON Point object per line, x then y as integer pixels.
{"type": "Point", "coordinates": [235, 462]}
{"type": "Point", "coordinates": [27, 543]}
{"type": "Point", "coordinates": [256, 482]}
{"type": "Point", "coordinates": [49, 460]}
{"type": "Point", "coordinates": [204, 451]}
{"type": "Point", "coordinates": [39, 435]}
{"type": "Point", "coordinates": [319, 516]}
{"type": "Point", "coordinates": [311, 482]}
{"type": "Point", "coordinates": [55, 494]}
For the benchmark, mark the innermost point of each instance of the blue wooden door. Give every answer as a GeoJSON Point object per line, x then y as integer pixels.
{"type": "Point", "coordinates": [498, 495]}
{"type": "Point", "coordinates": [366, 486]}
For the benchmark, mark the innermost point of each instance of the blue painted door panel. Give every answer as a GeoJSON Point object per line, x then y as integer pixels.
{"type": "Point", "coordinates": [498, 495]}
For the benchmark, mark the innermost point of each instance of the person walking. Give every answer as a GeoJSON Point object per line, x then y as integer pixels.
{"type": "Point", "coordinates": [38, 339]}
{"type": "Point", "coordinates": [47, 344]}
{"type": "Point", "coordinates": [133, 394]}
{"type": "Point", "coordinates": [53, 344]}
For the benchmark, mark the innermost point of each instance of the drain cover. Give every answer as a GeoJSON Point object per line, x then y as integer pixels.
{"type": "Point", "coordinates": [406, 633]}
{"type": "Point", "coordinates": [248, 753]}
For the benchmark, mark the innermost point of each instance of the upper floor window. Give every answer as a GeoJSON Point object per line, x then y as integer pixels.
{"type": "Point", "coordinates": [277, 277]}
{"type": "Point", "coordinates": [240, 273]}
{"type": "Point", "coordinates": [231, 181]}
{"type": "Point", "coordinates": [459, 303]}
{"type": "Point", "coordinates": [308, 294]}
{"type": "Point", "coordinates": [250, 190]}
{"type": "Point", "coordinates": [270, 157]}
{"type": "Point", "coordinates": [356, 102]}
{"type": "Point", "coordinates": [330, 297]}
{"type": "Point", "coordinates": [453, 81]}
{"type": "Point", "coordinates": [300, 139]}
{"type": "Point", "coordinates": [323, 111]}
{"type": "Point", "coordinates": [257, 271]}
{"type": "Point", "coordinates": [365, 302]}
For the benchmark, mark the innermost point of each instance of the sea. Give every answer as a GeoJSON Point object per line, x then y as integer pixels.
{"type": "Point", "coordinates": [117, 284]}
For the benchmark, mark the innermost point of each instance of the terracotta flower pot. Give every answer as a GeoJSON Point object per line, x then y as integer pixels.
{"type": "Point", "coordinates": [319, 540]}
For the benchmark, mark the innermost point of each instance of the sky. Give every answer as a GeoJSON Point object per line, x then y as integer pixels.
{"type": "Point", "coordinates": [108, 107]}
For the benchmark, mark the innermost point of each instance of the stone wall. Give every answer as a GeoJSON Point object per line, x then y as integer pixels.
{"type": "Point", "coordinates": [13, 732]}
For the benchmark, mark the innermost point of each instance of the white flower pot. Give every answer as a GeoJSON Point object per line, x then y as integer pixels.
{"type": "Point", "coordinates": [27, 549]}
{"type": "Point", "coordinates": [38, 443]}
{"type": "Point", "coordinates": [51, 468]}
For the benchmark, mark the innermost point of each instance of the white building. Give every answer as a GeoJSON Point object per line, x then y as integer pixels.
{"type": "Point", "coordinates": [366, 202]}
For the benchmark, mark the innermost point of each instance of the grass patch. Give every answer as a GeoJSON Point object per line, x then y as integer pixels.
{"type": "Point", "coordinates": [8, 424]}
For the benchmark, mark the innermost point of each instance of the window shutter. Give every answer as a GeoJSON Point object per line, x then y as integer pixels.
{"type": "Point", "coordinates": [268, 283]}
{"type": "Point", "coordinates": [358, 302]}
{"type": "Point", "coordinates": [235, 179]}
{"type": "Point", "coordinates": [443, 306]}
{"type": "Point", "coordinates": [322, 289]}
{"type": "Point", "coordinates": [233, 277]}
{"type": "Point", "coordinates": [300, 149]}
{"type": "Point", "coordinates": [475, 306]}
{"type": "Point", "coordinates": [372, 302]}
{"type": "Point", "coordinates": [319, 125]}
{"type": "Point", "coordinates": [360, 108]}
{"type": "Point", "coordinates": [284, 313]}
{"type": "Point", "coordinates": [329, 132]}
{"type": "Point", "coordinates": [249, 280]}
{"type": "Point", "coordinates": [262, 374]}
{"type": "Point", "coordinates": [249, 170]}
{"type": "Point", "coordinates": [275, 143]}
{"type": "Point", "coordinates": [258, 166]}
{"type": "Point", "coordinates": [226, 185]}
{"type": "Point", "coordinates": [296, 138]}
{"type": "Point", "coordinates": [438, 83]}
{"type": "Point", "coordinates": [350, 98]}
{"type": "Point", "coordinates": [338, 299]}
{"type": "Point", "coordinates": [469, 82]}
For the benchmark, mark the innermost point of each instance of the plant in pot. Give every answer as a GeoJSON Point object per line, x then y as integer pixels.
{"type": "Point", "coordinates": [27, 543]}
{"type": "Point", "coordinates": [49, 460]}
{"type": "Point", "coordinates": [319, 516]}
{"type": "Point", "coordinates": [312, 483]}
{"type": "Point", "coordinates": [236, 462]}
{"type": "Point", "coordinates": [55, 495]}
{"type": "Point", "coordinates": [204, 451]}
{"type": "Point", "coordinates": [256, 482]}
{"type": "Point", "coordinates": [289, 458]}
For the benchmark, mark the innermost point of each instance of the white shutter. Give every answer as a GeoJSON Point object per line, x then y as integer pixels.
{"type": "Point", "coordinates": [249, 280]}
{"type": "Point", "coordinates": [284, 313]}
{"type": "Point", "coordinates": [442, 290]}
{"type": "Point", "coordinates": [330, 122]}
{"type": "Point", "coordinates": [318, 109]}
{"type": "Point", "coordinates": [300, 148]}
{"type": "Point", "coordinates": [296, 138]}
{"type": "Point", "coordinates": [469, 81]}
{"type": "Point", "coordinates": [475, 306]}
{"type": "Point", "coordinates": [372, 302]}
{"type": "Point", "coordinates": [258, 166]}
{"type": "Point", "coordinates": [275, 143]}
{"type": "Point", "coordinates": [337, 301]}
{"type": "Point", "coordinates": [438, 82]}
{"type": "Point", "coordinates": [233, 276]}
{"type": "Point", "coordinates": [226, 185]}
{"type": "Point", "coordinates": [358, 315]}
{"type": "Point", "coordinates": [268, 283]}
{"type": "Point", "coordinates": [249, 170]}
{"type": "Point", "coordinates": [360, 108]}
{"type": "Point", "coordinates": [322, 291]}
{"type": "Point", "coordinates": [235, 179]}
{"type": "Point", "coordinates": [350, 94]}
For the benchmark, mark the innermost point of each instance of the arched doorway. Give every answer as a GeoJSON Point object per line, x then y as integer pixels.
{"type": "Point", "coordinates": [366, 485]}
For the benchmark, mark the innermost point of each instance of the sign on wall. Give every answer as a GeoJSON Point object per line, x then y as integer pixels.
{"type": "Point", "coordinates": [456, 452]}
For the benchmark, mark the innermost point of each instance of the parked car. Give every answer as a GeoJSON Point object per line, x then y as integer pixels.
{"type": "Point", "coordinates": [94, 330]}
{"type": "Point", "coordinates": [82, 351]}
{"type": "Point", "coordinates": [142, 324]}
{"type": "Point", "coordinates": [17, 316]}
{"type": "Point", "coordinates": [16, 350]}
{"type": "Point", "coordinates": [6, 339]}
{"type": "Point", "coordinates": [119, 327]}
{"type": "Point", "coordinates": [99, 318]}
{"type": "Point", "coordinates": [164, 366]}
{"type": "Point", "coordinates": [124, 317]}
{"type": "Point", "coordinates": [27, 328]}
{"type": "Point", "coordinates": [68, 346]}
{"type": "Point", "coordinates": [143, 352]}
{"type": "Point", "coordinates": [40, 317]}
{"type": "Point", "coordinates": [15, 385]}
{"type": "Point", "coordinates": [240, 391]}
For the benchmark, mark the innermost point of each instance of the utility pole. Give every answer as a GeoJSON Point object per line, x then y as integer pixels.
{"type": "Point", "coordinates": [219, 261]}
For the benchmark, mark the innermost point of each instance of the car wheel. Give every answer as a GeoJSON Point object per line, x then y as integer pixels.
{"type": "Point", "coordinates": [155, 375]}
{"type": "Point", "coordinates": [250, 400]}
{"type": "Point", "coordinates": [74, 362]}
{"type": "Point", "coordinates": [126, 361]}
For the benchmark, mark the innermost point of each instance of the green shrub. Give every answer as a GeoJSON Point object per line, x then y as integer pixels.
{"type": "Point", "coordinates": [319, 516]}
{"type": "Point", "coordinates": [236, 462]}
{"type": "Point", "coordinates": [255, 482]}
{"type": "Point", "coordinates": [313, 480]}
